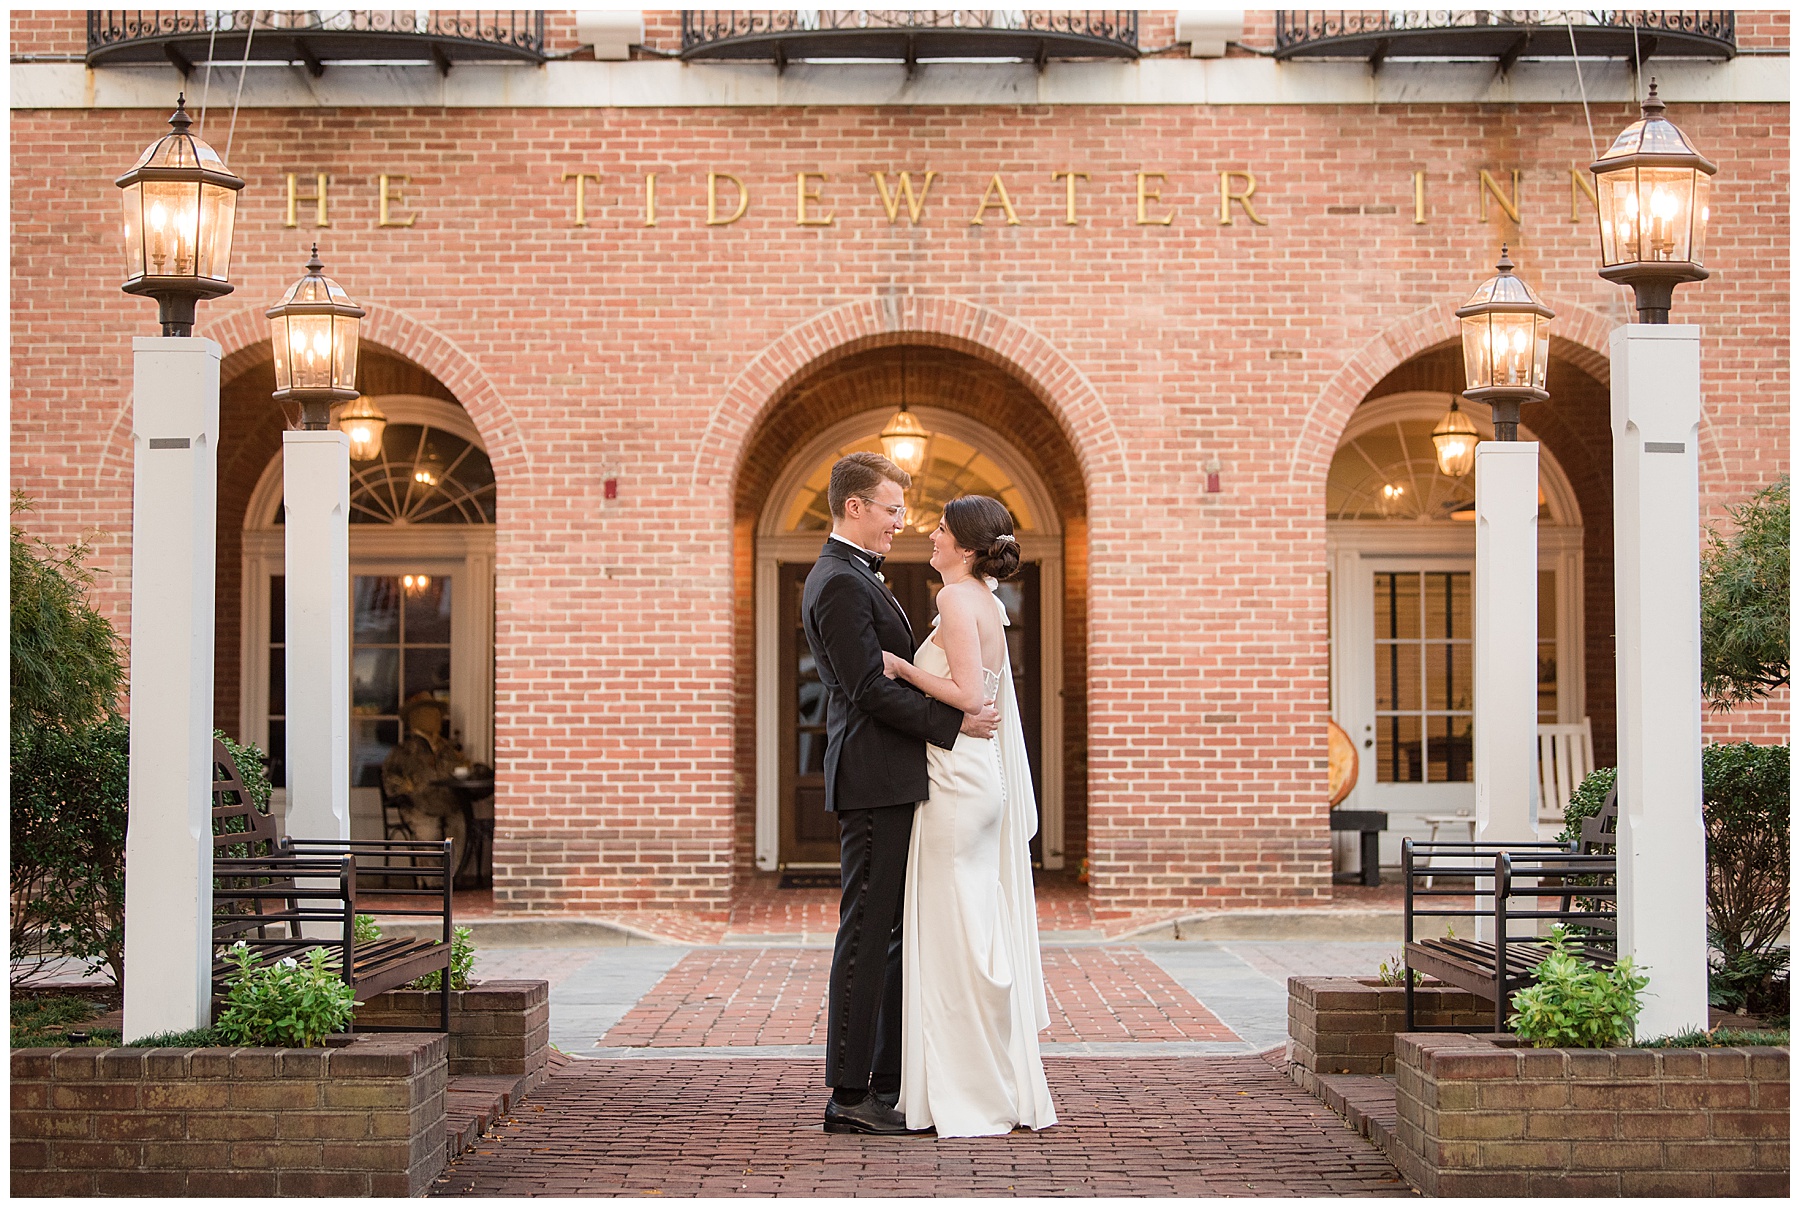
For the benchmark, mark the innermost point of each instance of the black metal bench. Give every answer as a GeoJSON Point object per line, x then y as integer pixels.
{"type": "Point", "coordinates": [1581, 878]}
{"type": "Point", "coordinates": [284, 897]}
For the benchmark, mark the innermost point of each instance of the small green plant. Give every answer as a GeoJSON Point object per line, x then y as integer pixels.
{"type": "Point", "coordinates": [1392, 972]}
{"type": "Point", "coordinates": [194, 1038]}
{"type": "Point", "coordinates": [1718, 1038]}
{"type": "Point", "coordinates": [365, 930]}
{"type": "Point", "coordinates": [283, 1004]}
{"type": "Point", "coordinates": [462, 963]}
{"type": "Point", "coordinates": [1576, 1004]}
{"type": "Point", "coordinates": [462, 955]}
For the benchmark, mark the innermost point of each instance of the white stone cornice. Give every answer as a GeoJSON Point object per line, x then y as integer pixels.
{"type": "Point", "coordinates": [666, 84]}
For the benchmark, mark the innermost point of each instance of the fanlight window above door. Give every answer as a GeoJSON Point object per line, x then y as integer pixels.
{"type": "Point", "coordinates": [953, 468]}
{"type": "Point", "coordinates": [1390, 472]}
{"type": "Point", "coordinates": [423, 475]}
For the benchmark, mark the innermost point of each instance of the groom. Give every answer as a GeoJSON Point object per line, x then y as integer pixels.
{"type": "Point", "coordinates": [876, 729]}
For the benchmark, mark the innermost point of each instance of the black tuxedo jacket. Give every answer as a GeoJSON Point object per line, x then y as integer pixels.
{"type": "Point", "coordinates": [876, 728]}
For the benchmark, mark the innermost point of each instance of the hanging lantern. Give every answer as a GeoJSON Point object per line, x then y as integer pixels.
{"type": "Point", "coordinates": [1455, 438]}
{"type": "Point", "coordinates": [1652, 187]}
{"type": "Point", "coordinates": [315, 329]}
{"type": "Point", "coordinates": [180, 207]}
{"type": "Point", "coordinates": [1506, 346]}
{"type": "Point", "coordinates": [905, 441]}
{"type": "Point", "coordinates": [364, 423]}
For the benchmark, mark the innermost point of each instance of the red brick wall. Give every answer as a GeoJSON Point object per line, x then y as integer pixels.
{"type": "Point", "coordinates": [619, 685]}
{"type": "Point", "coordinates": [48, 31]}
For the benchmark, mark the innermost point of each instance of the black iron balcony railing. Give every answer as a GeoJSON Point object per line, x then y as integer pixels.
{"type": "Point", "coordinates": [908, 35]}
{"type": "Point", "coordinates": [314, 37]}
{"type": "Point", "coordinates": [1505, 35]}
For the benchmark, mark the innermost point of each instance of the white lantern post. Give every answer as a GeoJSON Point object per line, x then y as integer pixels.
{"type": "Point", "coordinates": [315, 330]}
{"type": "Point", "coordinates": [1506, 358]}
{"type": "Point", "coordinates": [179, 203]}
{"type": "Point", "coordinates": [1653, 187]}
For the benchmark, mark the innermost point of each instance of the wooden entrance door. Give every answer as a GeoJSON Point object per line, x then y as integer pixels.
{"type": "Point", "coordinates": [809, 834]}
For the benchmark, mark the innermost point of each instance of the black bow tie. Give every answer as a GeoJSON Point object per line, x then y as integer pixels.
{"type": "Point", "coordinates": [875, 561]}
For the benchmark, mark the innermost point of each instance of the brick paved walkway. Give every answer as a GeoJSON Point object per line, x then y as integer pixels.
{"type": "Point", "coordinates": [1137, 1127]}
{"type": "Point", "coordinates": [775, 996]}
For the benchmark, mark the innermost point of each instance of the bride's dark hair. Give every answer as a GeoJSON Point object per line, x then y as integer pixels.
{"type": "Point", "coordinates": [979, 523]}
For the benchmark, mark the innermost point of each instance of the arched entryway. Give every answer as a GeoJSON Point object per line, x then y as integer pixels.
{"type": "Point", "coordinates": [1401, 544]}
{"type": "Point", "coordinates": [422, 516]}
{"type": "Point", "coordinates": [991, 435]}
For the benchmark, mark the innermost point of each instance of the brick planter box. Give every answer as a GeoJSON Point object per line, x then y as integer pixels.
{"type": "Point", "coordinates": [1346, 1025]}
{"type": "Point", "coordinates": [1481, 1116]}
{"type": "Point", "coordinates": [364, 1118]}
{"type": "Point", "coordinates": [496, 1027]}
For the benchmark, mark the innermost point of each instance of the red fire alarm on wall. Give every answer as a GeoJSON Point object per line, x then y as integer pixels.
{"type": "Point", "coordinates": [1212, 469]}
{"type": "Point", "coordinates": [611, 487]}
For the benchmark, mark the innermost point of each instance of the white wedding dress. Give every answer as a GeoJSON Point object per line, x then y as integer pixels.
{"type": "Point", "coordinates": [974, 979]}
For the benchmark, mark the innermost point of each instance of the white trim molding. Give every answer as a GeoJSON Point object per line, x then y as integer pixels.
{"type": "Point", "coordinates": [663, 84]}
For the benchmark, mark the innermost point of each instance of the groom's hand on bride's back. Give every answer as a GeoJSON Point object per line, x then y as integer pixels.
{"type": "Point", "coordinates": [982, 724]}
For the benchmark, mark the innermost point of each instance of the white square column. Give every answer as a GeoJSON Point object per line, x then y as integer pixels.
{"type": "Point", "coordinates": [1506, 633]}
{"type": "Point", "coordinates": [316, 505]}
{"type": "Point", "coordinates": [168, 834]}
{"type": "Point", "coordinates": [1656, 574]}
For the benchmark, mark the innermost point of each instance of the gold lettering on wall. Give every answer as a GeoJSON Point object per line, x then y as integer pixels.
{"type": "Point", "coordinates": [1419, 198]}
{"type": "Point", "coordinates": [890, 202]}
{"type": "Point", "coordinates": [1579, 184]}
{"type": "Point", "coordinates": [393, 198]}
{"type": "Point", "coordinates": [1227, 195]}
{"type": "Point", "coordinates": [295, 197]}
{"type": "Point", "coordinates": [649, 199]}
{"type": "Point", "coordinates": [581, 179]}
{"type": "Point", "coordinates": [1489, 185]}
{"type": "Point", "coordinates": [1004, 203]}
{"type": "Point", "coordinates": [712, 199]}
{"type": "Point", "coordinates": [1146, 195]}
{"type": "Point", "coordinates": [1069, 197]}
{"type": "Point", "coordinates": [803, 195]}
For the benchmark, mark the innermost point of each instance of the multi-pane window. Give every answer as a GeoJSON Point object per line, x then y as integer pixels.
{"type": "Point", "coordinates": [400, 654]}
{"type": "Point", "coordinates": [1424, 677]}
{"type": "Point", "coordinates": [1546, 648]}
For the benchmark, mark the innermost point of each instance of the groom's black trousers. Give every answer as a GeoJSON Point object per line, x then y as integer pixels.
{"type": "Point", "coordinates": [862, 1044]}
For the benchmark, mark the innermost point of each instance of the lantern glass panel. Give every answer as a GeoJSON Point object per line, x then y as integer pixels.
{"type": "Point", "coordinates": [1477, 363]}
{"type": "Point", "coordinates": [1702, 214]}
{"type": "Point", "coordinates": [310, 339]}
{"type": "Point", "coordinates": [1617, 193]}
{"type": "Point", "coordinates": [218, 212]}
{"type": "Point", "coordinates": [1513, 337]}
{"type": "Point", "coordinates": [1540, 357]}
{"type": "Point", "coordinates": [344, 347]}
{"type": "Point", "coordinates": [278, 337]}
{"type": "Point", "coordinates": [133, 197]}
{"type": "Point", "coordinates": [1665, 198]}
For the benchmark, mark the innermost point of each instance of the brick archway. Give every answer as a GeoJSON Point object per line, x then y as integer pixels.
{"type": "Point", "coordinates": [968, 327]}
{"type": "Point", "coordinates": [1580, 338]}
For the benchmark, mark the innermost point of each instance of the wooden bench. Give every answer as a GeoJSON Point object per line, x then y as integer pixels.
{"type": "Point", "coordinates": [285, 897]}
{"type": "Point", "coordinates": [1580, 878]}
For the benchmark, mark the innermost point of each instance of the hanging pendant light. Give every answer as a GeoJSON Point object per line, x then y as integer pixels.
{"type": "Point", "coordinates": [365, 423]}
{"type": "Point", "coordinates": [1455, 438]}
{"type": "Point", "coordinates": [904, 441]}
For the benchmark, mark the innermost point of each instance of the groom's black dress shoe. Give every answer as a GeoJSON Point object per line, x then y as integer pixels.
{"type": "Point", "coordinates": [891, 1098]}
{"type": "Point", "coordinates": [871, 1116]}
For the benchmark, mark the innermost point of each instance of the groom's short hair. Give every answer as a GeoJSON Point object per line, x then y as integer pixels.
{"type": "Point", "coordinates": [858, 474]}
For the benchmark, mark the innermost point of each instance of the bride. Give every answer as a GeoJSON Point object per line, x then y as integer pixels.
{"type": "Point", "coordinates": [973, 977]}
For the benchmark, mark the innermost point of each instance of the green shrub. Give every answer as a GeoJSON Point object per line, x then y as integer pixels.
{"type": "Point", "coordinates": [1576, 1004]}
{"type": "Point", "coordinates": [1744, 602]}
{"type": "Point", "coordinates": [1586, 801]}
{"type": "Point", "coordinates": [287, 1004]}
{"type": "Point", "coordinates": [462, 963]}
{"type": "Point", "coordinates": [67, 826]}
{"type": "Point", "coordinates": [68, 666]}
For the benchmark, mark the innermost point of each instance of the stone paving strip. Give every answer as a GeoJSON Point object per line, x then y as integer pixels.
{"type": "Point", "coordinates": [750, 1126]}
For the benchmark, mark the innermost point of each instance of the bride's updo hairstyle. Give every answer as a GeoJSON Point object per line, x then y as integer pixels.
{"type": "Point", "coordinates": [979, 523]}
